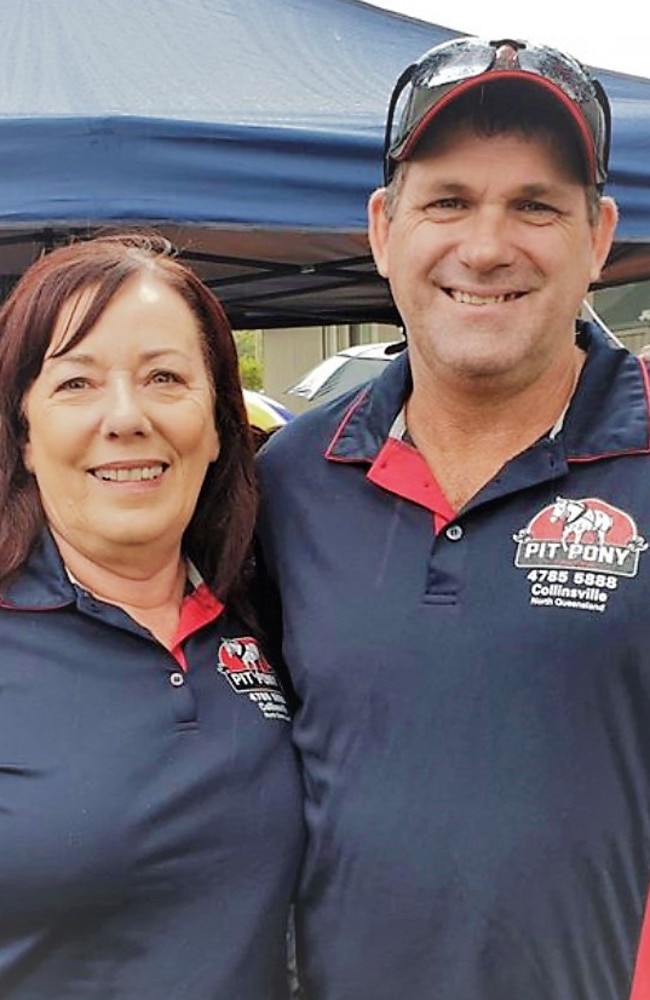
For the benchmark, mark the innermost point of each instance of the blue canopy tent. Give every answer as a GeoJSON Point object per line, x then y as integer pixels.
{"type": "Point", "coordinates": [249, 131]}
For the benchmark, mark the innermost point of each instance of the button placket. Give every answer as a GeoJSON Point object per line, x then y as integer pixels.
{"type": "Point", "coordinates": [183, 697]}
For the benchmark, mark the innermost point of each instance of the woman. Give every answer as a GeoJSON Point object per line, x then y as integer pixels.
{"type": "Point", "coordinates": [149, 800]}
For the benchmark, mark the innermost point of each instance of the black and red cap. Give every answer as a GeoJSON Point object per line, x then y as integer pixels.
{"type": "Point", "coordinates": [445, 72]}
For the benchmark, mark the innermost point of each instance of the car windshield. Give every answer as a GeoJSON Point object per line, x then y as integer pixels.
{"type": "Point", "coordinates": [355, 373]}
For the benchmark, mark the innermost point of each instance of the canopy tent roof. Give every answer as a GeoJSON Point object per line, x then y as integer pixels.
{"type": "Point", "coordinates": [249, 131]}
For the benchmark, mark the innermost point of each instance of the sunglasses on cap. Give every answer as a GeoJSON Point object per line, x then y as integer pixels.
{"type": "Point", "coordinates": [441, 74]}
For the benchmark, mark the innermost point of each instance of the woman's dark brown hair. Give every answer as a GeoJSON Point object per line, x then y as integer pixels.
{"type": "Point", "coordinates": [218, 536]}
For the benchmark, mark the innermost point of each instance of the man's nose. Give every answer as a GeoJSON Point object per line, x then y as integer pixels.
{"type": "Point", "coordinates": [487, 241]}
{"type": "Point", "coordinates": [124, 413]}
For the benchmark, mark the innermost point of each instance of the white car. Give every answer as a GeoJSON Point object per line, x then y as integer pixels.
{"type": "Point", "coordinates": [345, 370]}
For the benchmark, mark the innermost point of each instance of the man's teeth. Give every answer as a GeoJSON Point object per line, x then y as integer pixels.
{"type": "Point", "coordinates": [467, 299]}
{"type": "Point", "coordinates": [134, 475]}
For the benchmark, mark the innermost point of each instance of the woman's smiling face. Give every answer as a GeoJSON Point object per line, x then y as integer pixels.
{"type": "Point", "coordinates": [121, 427]}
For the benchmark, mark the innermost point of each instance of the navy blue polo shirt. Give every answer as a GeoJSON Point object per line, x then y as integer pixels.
{"type": "Point", "coordinates": [150, 805]}
{"type": "Point", "coordinates": [473, 696]}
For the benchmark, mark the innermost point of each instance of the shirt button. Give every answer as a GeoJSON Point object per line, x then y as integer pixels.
{"type": "Point", "coordinates": [176, 679]}
{"type": "Point", "coordinates": [454, 532]}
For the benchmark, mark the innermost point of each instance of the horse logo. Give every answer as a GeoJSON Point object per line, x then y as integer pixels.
{"type": "Point", "coordinates": [580, 518]}
{"type": "Point", "coordinates": [248, 672]}
{"type": "Point", "coordinates": [585, 533]}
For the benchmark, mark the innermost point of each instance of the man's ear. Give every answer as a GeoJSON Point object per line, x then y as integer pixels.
{"type": "Point", "coordinates": [603, 235]}
{"type": "Point", "coordinates": [378, 225]}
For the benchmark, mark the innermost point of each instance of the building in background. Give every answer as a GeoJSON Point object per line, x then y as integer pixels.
{"type": "Point", "coordinates": [626, 311]}
{"type": "Point", "coordinates": [289, 354]}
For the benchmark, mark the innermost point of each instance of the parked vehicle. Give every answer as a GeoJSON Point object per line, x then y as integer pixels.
{"type": "Point", "coordinates": [265, 413]}
{"type": "Point", "coordinates": [344, 370]}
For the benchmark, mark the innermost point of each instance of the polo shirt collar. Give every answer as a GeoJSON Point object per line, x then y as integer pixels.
{"type": "Point", "coordinates": [42, 583]}
{"type": "Point", "coordinates": [609, 413]}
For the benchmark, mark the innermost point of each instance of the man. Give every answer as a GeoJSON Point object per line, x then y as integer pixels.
{"type": "Point", "coordinates": [460, 553]}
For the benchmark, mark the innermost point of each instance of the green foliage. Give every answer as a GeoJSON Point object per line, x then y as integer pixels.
{"type": "Point", "coordinates": [249, 349]}
{"type": "Point", "coordinates": [250, 371]}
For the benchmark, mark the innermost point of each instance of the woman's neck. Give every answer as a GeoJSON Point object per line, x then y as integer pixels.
{"type": "Point", "coordinates": [151, 596]}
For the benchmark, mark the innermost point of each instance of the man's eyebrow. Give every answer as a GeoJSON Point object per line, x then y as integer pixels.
{"type": "Point", "coordinates": [539, 190]}
{"type": "Point", "coordinates": [450, 187]}
{"type": "Point", "coordinates": [534, 189]}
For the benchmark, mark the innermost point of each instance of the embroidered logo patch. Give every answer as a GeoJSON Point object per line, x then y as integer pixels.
{"type": "Point", "coordinates": [249, 672]}
{"type": "Point", "coordinates": [576, 552]}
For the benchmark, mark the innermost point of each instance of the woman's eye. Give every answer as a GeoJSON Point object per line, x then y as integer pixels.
{"type": "Point", "coordinates": [70, 384]}
{"type": "Point", "coordinates": [166, 378]}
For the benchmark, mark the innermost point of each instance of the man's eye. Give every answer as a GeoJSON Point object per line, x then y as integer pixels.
{"type": "Point", "coordinates": [539, 213]}
{"type": "Point", "coordinates": [445, 209]}
{"type": "Point", "coordinates": [447, 204]}
{"type": "Point", "coordinates": [537, 207]}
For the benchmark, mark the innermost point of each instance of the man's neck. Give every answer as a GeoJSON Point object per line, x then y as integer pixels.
{"type": "Point", "coordinates": [466, 436]}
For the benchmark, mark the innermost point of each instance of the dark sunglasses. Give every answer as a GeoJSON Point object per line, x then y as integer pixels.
{"type": "Point", "coordinates": [425, 84]}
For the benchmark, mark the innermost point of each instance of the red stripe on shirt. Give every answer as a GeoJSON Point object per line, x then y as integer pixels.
{"type": "Point", "coordinates": [401, 469]}
{"type": "Point", "coordinates": [641, 981]}
{"type": "Point", "coordinates": [199, 608]}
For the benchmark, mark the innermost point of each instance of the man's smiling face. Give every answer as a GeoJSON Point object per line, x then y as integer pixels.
{"type": "Point", "coordinates": [489, 250]}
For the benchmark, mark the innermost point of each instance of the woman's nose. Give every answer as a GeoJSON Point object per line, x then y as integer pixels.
{"type": "Point", "coordinates": [124, 413]}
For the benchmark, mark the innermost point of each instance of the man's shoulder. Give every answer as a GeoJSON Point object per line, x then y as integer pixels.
{"type": "Point", "coordinates": [366, 409]}
{"type": "Point", "coordinates": [308, 434]}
